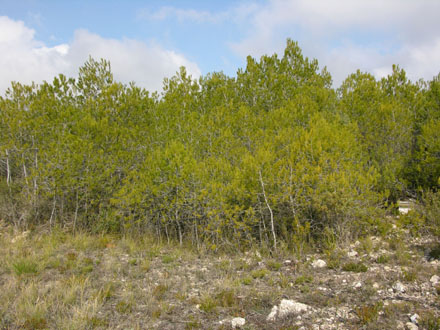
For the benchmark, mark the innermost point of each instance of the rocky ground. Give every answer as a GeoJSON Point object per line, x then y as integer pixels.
{"type": "Point", "coordinates": [82, 282]}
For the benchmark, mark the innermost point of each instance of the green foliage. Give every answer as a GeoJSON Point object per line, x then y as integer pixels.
{"type": "Point", "coordinates": [357, 267]}
{"type": "Point", "coordinates": [430, 321]}
{"type": "Point", "coordinates": [383, 259]}
{"type": "Point", "coordinates": [274, 265]}
{"type": "Point", "coordinates": [275, 155]}
{"type": "Point", "coordinates": [302, 279]}
{"type": "Point", "coordinates": [259, 273]}
{"type": "Point", "coordinates": [368, 313]}
{"type": "Point", "coordinates": [208, 304]}
{"type": "Point", "coordinates": [24, 266]}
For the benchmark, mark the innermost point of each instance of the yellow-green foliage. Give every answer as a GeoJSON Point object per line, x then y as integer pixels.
{"type": "Point", "coordinates": [273, 154]}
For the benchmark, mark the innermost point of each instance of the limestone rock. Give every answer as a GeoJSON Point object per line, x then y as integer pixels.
{"type": "Point", "coordinates": [352, 253]}
{"type": "Point", "coordinates": [237, 322]}
{"type": "Point", "coordinates": [434, 280]}
{"type": "Point", "coordinates": [286, 308]}
{"type": "Point", "coordinates": [399, 287]}
{"type": "Point", "coordinates": [414, 318]}
{"type": "Point", "coordinates": [411, 326]}
{"type": "Point", "coordinates": [319, 263]}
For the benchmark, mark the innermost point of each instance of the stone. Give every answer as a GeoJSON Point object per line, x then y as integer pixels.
{"type": "Point", "coordinates": [319, 263]}
{"type": "Point", "coordinates": [352, 253]}
{"type": "Point", "coordinates": [237, 322]}
{"type": "Point", "coordinates": [414, 318]}
{"type": "Point", "coordinates": [411, 326]}
{"type": "Point", "coordinates": [434, 280]}
{"type": "Point", "coordinates": [286, 308]}
{"type": "Point", "coordinates": [357, 285]}
{"type": "Point", "coordinates": [399, 287]}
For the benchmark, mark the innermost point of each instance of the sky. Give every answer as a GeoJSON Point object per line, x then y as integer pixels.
{"type": "Point", "coordinates": [146, 41]}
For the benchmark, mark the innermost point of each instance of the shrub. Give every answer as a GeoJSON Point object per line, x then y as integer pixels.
{"type": "Point", "coordinates": [24, 266]}
{"type": "Point", "coordinates": [356, 267]}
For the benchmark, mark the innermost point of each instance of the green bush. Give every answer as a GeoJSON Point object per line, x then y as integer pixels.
{"type": "Point", "coordinates": [24, 267]}
{"type": "Point", "coordinates": [357, 267]}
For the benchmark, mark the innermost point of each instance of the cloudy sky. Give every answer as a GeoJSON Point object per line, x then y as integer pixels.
{"type": "Point", "coordinates": [146, 41]}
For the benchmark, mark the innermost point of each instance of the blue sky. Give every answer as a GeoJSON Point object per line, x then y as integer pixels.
{"type": "Point", "coordinates": [148, 40]}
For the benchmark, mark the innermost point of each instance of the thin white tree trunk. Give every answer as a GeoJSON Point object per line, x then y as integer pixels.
{"type": "Point", "coordinates": [53, 212]}
{"type": "Point", "coordinates": [76, 212]}
{"type": "Point", "coordinates": [270, 211]}
{"type": "Point", "coordinates": [8, 171]}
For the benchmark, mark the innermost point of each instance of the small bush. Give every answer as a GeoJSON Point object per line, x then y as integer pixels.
{"type": "Point", "coordinates": [434, 253]}
{"type": "Point", "coordinates": [259, 273]}
{"type": "Point", "coordinates": [274, 265]}
{"type": "Point", "coordinates": [159, 291]}
{"type": "Point", "coordinates": [35, 322]}
{"type": "Point", "coordinates": [167, 259]}
{"type": "Point", "coordinates": [356, 267]}
{"type": "Point", "coordinates": [383, 259]}
{"type": "Point", "coordinates": [208, 304]}
{"type": "Point", "coordinates": [409, 275]}
{"type": "Point", "coordinates": [124, 307]}
{"type": "Point", "coordinates": [429, 321]}
{"type": "Point", "coordinates": [368, 313]}
{"type": "Point", "coordinates": [226, 298]}
{"type": "Point", "coordinates": [303, 279]}
{"type": "Point", "coordinates": [24, 266]}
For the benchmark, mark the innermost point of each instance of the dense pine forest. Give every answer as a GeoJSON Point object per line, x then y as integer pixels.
{"type": "Point", "coordinates": [276, 156]}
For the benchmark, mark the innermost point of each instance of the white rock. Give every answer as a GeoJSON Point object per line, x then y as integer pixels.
{"type": "Point", "coordinates": [273, 314]}
{"type": "Point", "coordinates": [399, 287]}
{"type": "Point", "coordinates": [319, 263]}
{"type": "Point", "coordinates": [357, 285]}
{"type": "Point", "coordinates": [434, 279]}
{"type": "Point", "coordinates": [237, 322]}
{"type": "Point", "coordinates": [404, 210]}
{"type": "Point", "coordinates": [400, 325]}
{"type": "Point", "coordinates": [286, 308]}
{"type": "Point", "coordinates": [352, 253]}
{"type": "Point", "coordinates": [411, 326]}
{"type": "Point", "coordinates": [414, 318]}
{"type": "Point", "coordinates": [287, 262]}
{"type": "Point", "coordinates": [375, 285]}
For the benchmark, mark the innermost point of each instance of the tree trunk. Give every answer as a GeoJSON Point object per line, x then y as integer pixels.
{"type": "Point", "coordinates": [272, 225]}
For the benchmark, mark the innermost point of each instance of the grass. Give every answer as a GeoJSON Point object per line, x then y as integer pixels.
{"type": "Point", "coordinates": [24, 266]}
{"type": "Point", "coordinates": [368, 313]}
{"type": "Point", "coordinates": [259, 273]}
{"type": "Point", "coordinates": [63, 281]}
{"type": "Point", "coordinates": [383, 259]}
{"type": "Point", "coordinates": [356, 267]}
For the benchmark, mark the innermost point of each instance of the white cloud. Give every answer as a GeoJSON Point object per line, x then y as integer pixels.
{"type": "Point", "coordinates": [235, 15]}
{"type": "Point", "coordinates": [199, 16]}
{"type": "Point", "coordinates": [346, 35]}
{"type": "Point", "coordinates": [25, 59]}
{"type": "Point", "coordinates": [131, 60]}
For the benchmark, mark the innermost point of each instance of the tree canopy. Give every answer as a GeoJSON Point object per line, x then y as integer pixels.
{"type": "Point", "coordinates": [274, 155]}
